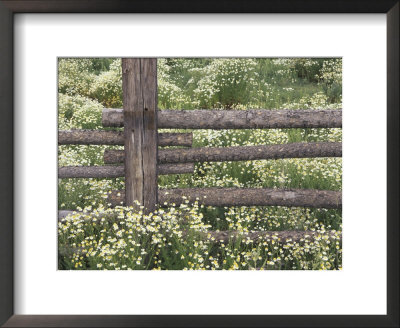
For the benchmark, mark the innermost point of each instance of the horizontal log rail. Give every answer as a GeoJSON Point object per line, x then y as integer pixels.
{"type": "Point", "coordinates": [62, 214]}
{"type": "Point", "coordinates": [240, 153]}
{"type": "Point", "coordinates": [221, 197]}
{"type": "Point", "coordinates": [101, 137]}
{"type": "Point", "coordinates": [236, 119]}
{"type": "Point", "coordinates": [117, 171]}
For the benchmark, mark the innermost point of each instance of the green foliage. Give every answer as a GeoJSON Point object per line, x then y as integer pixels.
{"type": "Point", "coordinates": [242, 82]}
{"type": "Point", "coordinates": [170, 95]}
{"type": "Point", "coordinates": [331, 79]}
{"type": "Point", "coordinates": [102, 64]}
{"type": "Point", "coordinates": [75, 76]}
{"type": "Point", "coordinates": [308, 68]}
{"type": "Point", "coordinates": [227, 83]}
{"type": "Point", "coordinates": [98, 78]}
{"type": "Point", "coordinates": [78, 112]}
{"type": "Point", "coordinates": [177, 238]}
{"type": "Point", "coordinates": [86, 86]}
{"type": "Point", "coordinates": [107, 87]}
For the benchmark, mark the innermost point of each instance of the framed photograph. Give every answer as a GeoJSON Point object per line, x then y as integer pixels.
{"type": "Point", "coordinates": [194, 165]}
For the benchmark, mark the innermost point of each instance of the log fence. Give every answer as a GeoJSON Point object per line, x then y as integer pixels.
{"type": "Point", "coordinates": [235, 119]}
{"type": "Point", "coordinates": [102, 137]}
{"type": "Point", "coordinates": [238, 153]}
{"type": "Point", "coordinates": [143, 160]}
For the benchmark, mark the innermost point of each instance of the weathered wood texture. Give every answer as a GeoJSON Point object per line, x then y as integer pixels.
{"type": "Point", "coordinates": [243, 153]}
{"type": "Point", "coordinates": [139, 76]}
{"type": "Point", "coordinates": [245, 197]}
{"type": "Point", "coordinates": [179, 168]}
{"type": "Point", "coordinates": [62, 214]}
{"type": "Point", "coordinates": [100, 137]}
{"type": "Point", "coordinates": [91, 172]}
{"type": "Point", "coordinates": [240, 153]}
{"type": "Point", "coordinates": [175, 139]}
{"type": "Point", "coordinates": [236, 119]}
{"type": "Point", "coordinates": [117, 171]}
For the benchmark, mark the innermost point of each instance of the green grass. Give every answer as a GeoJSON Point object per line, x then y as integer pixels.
{"type": "Point", "coordinates": [179, 84]}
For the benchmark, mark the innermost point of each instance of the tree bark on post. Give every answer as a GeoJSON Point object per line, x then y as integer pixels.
{"type": "Point", "coordinates": [140, 131]}
{"type": "Point", "coordinates": [238, 153]}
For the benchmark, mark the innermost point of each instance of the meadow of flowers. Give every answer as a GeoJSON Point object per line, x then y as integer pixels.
{"type": "Point", "coordinates": [187, 237]}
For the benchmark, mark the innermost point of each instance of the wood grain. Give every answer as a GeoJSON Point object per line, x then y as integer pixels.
{"type": "Point", "coordinates": [237, 119]}
{"type": "Point", "coordinates": [221, 197]}
{"type": "Point", "coordinates": [111, 171]}
{"type": "Point", "coordinates": [239, 153]}
{"type": "Point", "coordinates": [140, 131]}
{"type": "Point", "coordinates": [102, 137]}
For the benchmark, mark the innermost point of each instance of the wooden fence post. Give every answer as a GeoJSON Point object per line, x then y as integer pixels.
{"type": "Point", "coordinates": [139, 78]}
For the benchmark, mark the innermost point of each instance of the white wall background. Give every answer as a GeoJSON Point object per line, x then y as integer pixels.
{"type": "Point", "coordinates": [360, 288]}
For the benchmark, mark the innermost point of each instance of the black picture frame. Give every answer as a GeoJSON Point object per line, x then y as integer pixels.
{"type": "Point", "coordinates": [10, 7]}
